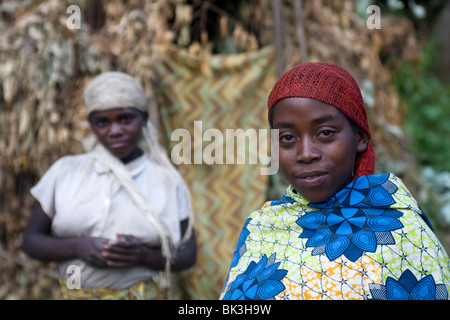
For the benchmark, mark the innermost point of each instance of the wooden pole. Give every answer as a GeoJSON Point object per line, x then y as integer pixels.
{"type": "Point", "coordinates": [278, 36]}
{"type": "Point", "coordinates": [303, 43]}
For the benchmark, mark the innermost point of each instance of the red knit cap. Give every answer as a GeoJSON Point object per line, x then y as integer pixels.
{"type": "Point", "coordinates": [332, 85]}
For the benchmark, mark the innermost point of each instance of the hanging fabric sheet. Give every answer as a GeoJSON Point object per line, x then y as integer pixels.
{"type": "Point", "coordinates": [209, 100]}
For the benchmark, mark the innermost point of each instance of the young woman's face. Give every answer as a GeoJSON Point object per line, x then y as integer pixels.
{"type": "Point", "coordinates": [318, 146]}
{"type": "Point", "coordinates": [119, 130]}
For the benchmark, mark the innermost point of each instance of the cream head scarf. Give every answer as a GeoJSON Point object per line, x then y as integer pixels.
{"type": "Point", "coordinates": [112, 90]}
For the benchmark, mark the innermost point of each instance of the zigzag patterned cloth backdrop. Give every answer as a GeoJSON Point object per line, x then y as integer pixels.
{"type": "Point", "coordinates": [223, 92]}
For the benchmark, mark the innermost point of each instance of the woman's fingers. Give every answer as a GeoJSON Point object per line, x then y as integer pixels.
{"type": "Point", "coordinates": [123, 252]}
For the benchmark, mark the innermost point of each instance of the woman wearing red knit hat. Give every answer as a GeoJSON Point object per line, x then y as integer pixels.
{"type": "Point", "coordinates": [339, 231]}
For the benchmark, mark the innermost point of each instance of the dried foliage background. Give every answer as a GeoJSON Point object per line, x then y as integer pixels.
{"type": "Point", "coordinates": [44, 67]}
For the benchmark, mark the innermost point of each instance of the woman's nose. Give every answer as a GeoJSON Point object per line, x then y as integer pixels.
{"type": "Point", "coordinates": [115, 129]}
{"type": "Point", "coordinates": [307, 151]}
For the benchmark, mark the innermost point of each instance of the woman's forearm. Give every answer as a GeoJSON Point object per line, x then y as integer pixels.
{"type": "Point", "coordinates": [46, 248]}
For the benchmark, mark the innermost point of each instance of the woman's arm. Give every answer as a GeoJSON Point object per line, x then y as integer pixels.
{"type": "Point", "coordinates": [38, 242]}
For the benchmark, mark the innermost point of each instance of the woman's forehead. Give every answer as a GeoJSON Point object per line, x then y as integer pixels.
{"type": "Point", "coordinates": [306, 109]}
{"type": "Point", "coordinates": [115, 111]}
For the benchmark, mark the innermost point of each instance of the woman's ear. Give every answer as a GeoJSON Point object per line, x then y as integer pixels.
{"type": "Point", "coordinates": [362, 140]}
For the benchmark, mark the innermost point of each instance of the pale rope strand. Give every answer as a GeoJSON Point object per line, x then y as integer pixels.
{"type": "Point", "coordinates": [124, 179]}
{"type": "Point", "coordinates": [158, 154]}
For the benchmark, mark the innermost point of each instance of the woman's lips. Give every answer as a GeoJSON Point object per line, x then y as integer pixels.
{"type": "Point", "coordinates": [118, 145]}
{"type": "Point", "coordinates": [311, 179]}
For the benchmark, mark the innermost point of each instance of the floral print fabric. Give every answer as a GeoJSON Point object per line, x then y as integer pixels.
{"type": "Point", "coordinates": [371, 240]}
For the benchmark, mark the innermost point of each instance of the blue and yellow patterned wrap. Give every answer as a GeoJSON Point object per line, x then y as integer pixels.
{"type": "Point", "coordinates": [371, 240]}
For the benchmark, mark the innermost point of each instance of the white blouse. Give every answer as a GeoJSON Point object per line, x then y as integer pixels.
{"type": "Point", "coordinates": [84, 200]}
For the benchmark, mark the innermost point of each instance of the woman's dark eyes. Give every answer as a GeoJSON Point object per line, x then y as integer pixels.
{"type": "Point", "coordinates": [126, 118]}
{"type": "Point", "coordinates": [322, 134]}
{"type": "Point", "coordinates": [326, 133]}
{"type": "Point", "coordinates": [286, 138]}
{"type": "Point", "coordinates": [101, 123]}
